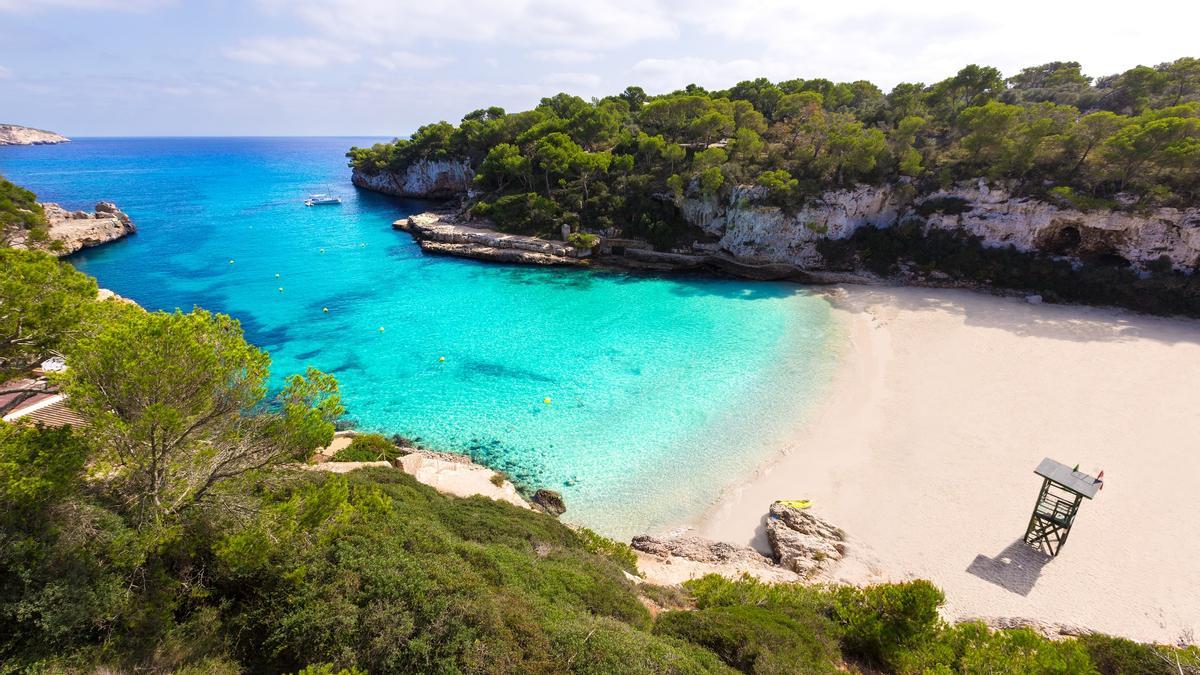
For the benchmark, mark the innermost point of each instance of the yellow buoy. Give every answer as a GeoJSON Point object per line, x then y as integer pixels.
{"type": "Point", "coordinates": [381, 329]}
{"type": "Point", "coordinates": [325, 309]}
{"type": "Point", "coordinates": [277, 275]}
{"type": "Point", "coordinates": [546, 400]}
{"type": "Point", "coordinates": [230, 262]}
{"type": "Point", "coordinates": [322, 250]}
{"type": "Point", "coordinates": [441, 359]}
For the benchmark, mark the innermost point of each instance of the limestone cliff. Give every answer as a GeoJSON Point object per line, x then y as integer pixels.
{"type": "Point", "coordinates": [749, 230]}
{"type": "Point", "coordinates": [12, 134]}
{"type": "Point", "coordinates": [430, 179]}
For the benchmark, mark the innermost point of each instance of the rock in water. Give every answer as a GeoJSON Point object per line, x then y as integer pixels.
{"type": "Point", "coordinates": [550, 502]}
{"type": "Point", "coordinates": [803, 542]}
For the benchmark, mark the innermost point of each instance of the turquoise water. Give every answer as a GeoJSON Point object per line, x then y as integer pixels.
{"type": "Point", "coordinates": [662, 390]}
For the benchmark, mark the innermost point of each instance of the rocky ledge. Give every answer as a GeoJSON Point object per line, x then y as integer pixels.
{"type": "Point", "coordinates": [13, 134]}
{"type": "Point", "coordinates": [79, 229]}
{"type": "Point", "coordinates": [447, 234]}
{"type": "Point", "coordinates": [803, 545]}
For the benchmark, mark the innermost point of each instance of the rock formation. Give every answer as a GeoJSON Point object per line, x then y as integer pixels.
{"type": "Point", "coordinates": [549, 501]}
{"type": "Point", "coordinates": [13, 134]}
{"type": "Point", "coordinates": [431, 179]}
{"type": "Point", "coordinates": [803, 542]}
{"type": "Point", "coordinates": [443, 233]}
{"type": "Point", "coordinates": [673, 560]}
{"type": "Point", "coordinates": [79, 229]}
{"type": "Point", "coordinates": [69, 231]}
{"type": "Point", "coordinates": [751, 231]}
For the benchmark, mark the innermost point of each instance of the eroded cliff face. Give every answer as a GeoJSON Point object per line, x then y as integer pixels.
{"type": "Point", "coordinates": [439, 179]}
{"type": "Point", "coordinates": [752, 231]}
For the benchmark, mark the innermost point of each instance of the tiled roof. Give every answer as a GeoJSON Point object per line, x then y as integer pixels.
{"type": "Point", "coordinates": [56, 414]}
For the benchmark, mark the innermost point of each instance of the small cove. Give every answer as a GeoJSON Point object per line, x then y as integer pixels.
{"type": "Point", "coordinates": [663, 390]}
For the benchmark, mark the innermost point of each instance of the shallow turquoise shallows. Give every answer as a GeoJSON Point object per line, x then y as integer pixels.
{"type": "Point", "coordinates": [662, 391]}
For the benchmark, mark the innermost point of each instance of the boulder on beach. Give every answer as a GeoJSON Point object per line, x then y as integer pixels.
{"type": "Point", "coordinates": [801, 541]}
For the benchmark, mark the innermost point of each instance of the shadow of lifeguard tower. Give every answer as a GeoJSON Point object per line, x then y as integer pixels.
{"type": "Point", "coordinates": [1018, 567]}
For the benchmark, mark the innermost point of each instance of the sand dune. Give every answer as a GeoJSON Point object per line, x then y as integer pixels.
{"type": "Point", "coordinates": [945, 403]}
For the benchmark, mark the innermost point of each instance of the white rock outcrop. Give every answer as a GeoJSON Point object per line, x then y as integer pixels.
{"type": "Point", "coordinates": [79, 229]}
{"type": "Point", "coordinates": [70, 231]}
{"type": "Point", "coordinates": [14, 134]}
{"type": "Point", "coordinates": [752, 231]}
{"type": "Point", "coordinates": [802, 541]}
{"type": "Point", "coordinates": [443, 233]}
{"type": "Point", "coordinates": [426, 179]}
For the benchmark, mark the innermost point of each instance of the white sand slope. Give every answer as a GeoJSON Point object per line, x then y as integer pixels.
{"type": "Point", "coordinates": [946, 402]}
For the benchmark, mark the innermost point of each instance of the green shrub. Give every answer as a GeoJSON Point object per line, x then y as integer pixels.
{"type": "Point", "coordinates": [882, 622]}
{"type": "Point", "coordinates": [368, 448]}
{"type": "Point", "coordinates": [19, 208]}
{"type": "Point", "coordinates": [973, 648]}
{"type": "Point", "coordinates": [754, 639]}
{"type": "Point", "coordinates": [583, 240]}
{"type": "Point", "coordinates": [616, 551]}
{"type": "Point", "coordinates": [1118, 656]}
{"type": "Point", "coordinates": [525, 213]}
{"type": "Point", "coordinates": [1066, 196]}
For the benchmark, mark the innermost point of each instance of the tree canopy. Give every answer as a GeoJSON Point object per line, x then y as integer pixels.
{"type": "Point", "coordinates": [620, 161]}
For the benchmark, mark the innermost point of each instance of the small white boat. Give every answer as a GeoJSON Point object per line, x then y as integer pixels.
{"type": "Point", "coordinates": [322, 200]}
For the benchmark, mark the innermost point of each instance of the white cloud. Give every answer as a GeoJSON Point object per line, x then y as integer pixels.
{"type": "Point", "coordinates": [529, 23]}
{"type": "Point", "coordinates": [402, 60]}
{"type": "Point", "coordinates": [587, 81]}
{"type": "Point", "coordinates": [5, 73]}
{"type": "Point", "coordinates": [564, 55]}
{"type": "Point", "coordinates": [299, 52]}
{"type": "Point", "coordinates": [660, 75]}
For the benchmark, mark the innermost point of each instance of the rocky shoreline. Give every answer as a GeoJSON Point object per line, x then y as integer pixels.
{"type": "Point", "coordinates": [14, 134]}
{"type": "Point", "coordinates": [68, 232]}
{"type": "Point", "coordinates": [746, 236]}
{"type": "Point", "coordinates": [77, 230]}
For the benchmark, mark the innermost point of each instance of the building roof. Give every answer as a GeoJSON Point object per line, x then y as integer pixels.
{"type": "Point", "coordinates": [48, 408]}
{"type": "Point", "coordinates": [1075, 481]}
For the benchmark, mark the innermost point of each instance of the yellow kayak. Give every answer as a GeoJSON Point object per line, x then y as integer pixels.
{"type": "Point", "coordinates": [796, 503]}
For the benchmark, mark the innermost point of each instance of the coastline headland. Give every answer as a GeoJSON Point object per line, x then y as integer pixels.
{"type": "Point", "coordinates": [15, 134]}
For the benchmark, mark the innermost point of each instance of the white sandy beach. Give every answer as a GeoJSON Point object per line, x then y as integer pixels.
{"type": "Point", "coordinates": [924, 454]}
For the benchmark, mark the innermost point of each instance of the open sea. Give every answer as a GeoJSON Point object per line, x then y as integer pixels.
{"type": "Point", "coordinates": [662, 390]}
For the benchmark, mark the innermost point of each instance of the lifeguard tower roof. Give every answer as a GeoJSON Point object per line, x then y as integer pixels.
{"type": "Point", "coordinates": [1075, 481]}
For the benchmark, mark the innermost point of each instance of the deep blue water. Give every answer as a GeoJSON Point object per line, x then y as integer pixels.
{"type": "Point", "coordinates": [662, 390]}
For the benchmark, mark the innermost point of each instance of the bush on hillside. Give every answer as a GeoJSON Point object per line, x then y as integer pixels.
{"type": "Point", "coordinates": [368, 448]}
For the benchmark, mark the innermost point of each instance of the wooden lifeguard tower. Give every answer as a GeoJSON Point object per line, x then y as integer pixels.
{"type": "Point", "coordinates": [1063, 490]}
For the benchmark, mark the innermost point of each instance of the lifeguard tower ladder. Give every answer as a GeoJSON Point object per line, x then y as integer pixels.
{"type": "Point", "coordinates": [1063, 490]}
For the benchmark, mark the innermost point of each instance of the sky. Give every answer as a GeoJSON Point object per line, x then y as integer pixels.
{"type": "Point", "coordinates": [384, 67]}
